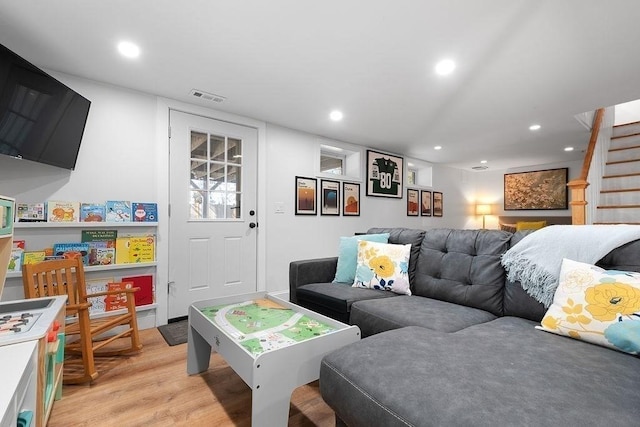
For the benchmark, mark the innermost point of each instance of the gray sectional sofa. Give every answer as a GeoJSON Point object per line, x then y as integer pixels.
{"type": "Point", "coordinates": [462, 349]}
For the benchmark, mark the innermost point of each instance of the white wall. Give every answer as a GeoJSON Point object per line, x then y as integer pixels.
{"type": "Point", "coordinates": [294, 237]}
{"type": "Point", "coordinates": [124, 156]}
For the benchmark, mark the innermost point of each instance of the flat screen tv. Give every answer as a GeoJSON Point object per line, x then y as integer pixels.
{"type": "Point", "coordinates": [41, 119]}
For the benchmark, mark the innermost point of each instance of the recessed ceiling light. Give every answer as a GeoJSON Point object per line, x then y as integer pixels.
{"type": "Point", "coordinates": [128, 49]}
{"type": "Point", "coordinates": [483, 161]}
{"type": "Point", "coordinates": [534, 127]}
{"type": "Point", "coordinates": [445, 67]}
{"type": "Point", "coordinates": [336, 115]}
{"type": "Point", "coordinates": [437, 147]}
{"type": "Point", "coordinates": [568, 148]}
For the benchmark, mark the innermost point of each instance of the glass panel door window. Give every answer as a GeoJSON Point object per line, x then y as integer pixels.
{"type": "Point", "coordinates": [216, 177]}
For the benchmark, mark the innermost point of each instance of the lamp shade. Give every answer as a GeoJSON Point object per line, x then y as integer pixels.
{"type": "Point", "coordinates": [483, 209]}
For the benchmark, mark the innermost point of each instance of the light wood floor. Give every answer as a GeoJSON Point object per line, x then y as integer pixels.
{"type": "Point", "coordinates": [153, 389]}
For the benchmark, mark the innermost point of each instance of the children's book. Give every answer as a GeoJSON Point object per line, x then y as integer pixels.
{"type": "Point", "coordinates": [30, 212]}
{"type": "Point", "coordinates": [107, 236]}
{"type": "Point", "coordinates": [32, 257]}
{"type": "Point", "coordinates": [117, 302]}
{"type": "Point", "coordinates": [95, 286]}
{"type": "Point", "coordinates": [144, 212]}
{"type": "Point", "coordinates": [92, 212]}
{"type": "Point", "coordinates": [102, 246]}
{"type": "Point", "coordinates": [19, 244]}
{"type": "Point", "coordinates": [134, 249]}
{"type": "Point", "coordinates": [63, 211]}
{"type": "Point", "coordinates": [145, 282]}
{"type": "Point", "coordinates": [118, 211]}
{"type": "Point", "coordinates": [15, 260]}
{"type": "Point", "coordinates": [72, 251]}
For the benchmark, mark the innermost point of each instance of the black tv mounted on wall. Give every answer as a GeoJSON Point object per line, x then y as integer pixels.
{"type": "Point", "coordinates": [41, 119]}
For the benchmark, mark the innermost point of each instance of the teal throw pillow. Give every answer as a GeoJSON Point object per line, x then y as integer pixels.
{"type": "Point", "coordinates": [348, 255]}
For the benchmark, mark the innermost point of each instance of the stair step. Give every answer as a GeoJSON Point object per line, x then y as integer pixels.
{"type": "Point", "coordinates": [619, 198]}
{"type": "Point", "coordinates": [625, 141]}
{"type": "Point", "coordinates": [622, 167]}
{"type": "Point", "coordinates": [618, 214]}
{"type": "Point", "coordinates": [623, 154]}
{"type": "Point", "coordinates": [621, 190]}
{"type": "Point", "coordinates": [626, 129]}
{"type": "Point", "coordinates": [620, 182]}
{"type": "Point", "coordinates": [619, 207]}
{"type": "Point", "coordinates": [616, 223]}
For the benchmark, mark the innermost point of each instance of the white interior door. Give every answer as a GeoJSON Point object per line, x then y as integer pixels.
{"type": "Point", "coordinates": [213, 221]}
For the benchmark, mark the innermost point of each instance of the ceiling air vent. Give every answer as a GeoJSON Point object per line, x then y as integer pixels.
{"type": "Point", "coordinates": [479, 168]}
{"type": "Point", "coordinates": [200, 94]}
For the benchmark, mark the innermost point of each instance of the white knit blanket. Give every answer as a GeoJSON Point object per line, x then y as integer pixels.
{"type": "Point", "coordinates": [536, 259]}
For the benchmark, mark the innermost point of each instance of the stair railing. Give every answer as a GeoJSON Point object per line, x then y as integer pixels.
{"type": "Point", "coordinates": [578, 186]}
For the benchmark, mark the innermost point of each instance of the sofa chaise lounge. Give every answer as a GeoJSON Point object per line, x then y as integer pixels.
{"type": "Point", "coordinates": [463, 350]}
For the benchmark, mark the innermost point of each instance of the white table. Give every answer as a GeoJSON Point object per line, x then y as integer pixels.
{"type": "Point", "coordinates": [273, 374]}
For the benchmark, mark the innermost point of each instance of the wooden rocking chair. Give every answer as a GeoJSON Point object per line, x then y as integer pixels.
{"type": "Point", "coordinates": [85, 336]}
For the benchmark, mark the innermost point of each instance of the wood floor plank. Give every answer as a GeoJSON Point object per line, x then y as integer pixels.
{"type": "Point", "coordinates": [152, 388]}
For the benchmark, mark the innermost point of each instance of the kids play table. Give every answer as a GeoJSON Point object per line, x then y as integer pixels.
{"type": "Point", "coordinates": [272, 344]}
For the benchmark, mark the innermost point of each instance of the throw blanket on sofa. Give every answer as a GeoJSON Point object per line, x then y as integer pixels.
{"type": "Point", "coordinates": [536, 259]}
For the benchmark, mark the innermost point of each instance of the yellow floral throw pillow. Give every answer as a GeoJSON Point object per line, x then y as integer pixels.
{"type": "Point", "coordinates": [596, 305]}
{"type": "Point", "coordinates": [383, 266]}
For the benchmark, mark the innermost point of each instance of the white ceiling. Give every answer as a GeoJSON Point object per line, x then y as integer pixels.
{"type": "Point", "coordinates": [291, 62]}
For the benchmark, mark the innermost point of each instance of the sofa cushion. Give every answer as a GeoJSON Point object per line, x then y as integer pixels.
{"type": "Point", "coordinates": [598, 306]}
{"type": "Point", "coordinates": [375, 316]}
{"type": "Point", "coordinates": [503, 372]}
{"type": "Point", "coordinates": [383, 266]}
{"type": "Point", "coordinates": [463, 267]}
{"type": "Point", "coordinates": [335, 299]}
{"type": "Point", "coordinates": [403, 236]}
{"type": "Point", "coordinates": [348, 254]}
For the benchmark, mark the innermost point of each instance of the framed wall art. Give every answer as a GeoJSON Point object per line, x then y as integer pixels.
{"type": "Point", "coordinates": [413, 202]}
{"type": "Point", "coordinates": [306, 196]}
{"type": "Point", "coordinates": [425, 203]}
{"type": "Point", "coordinates": [330, 197]}
{"type": "Point", "coordinates": [536, 190]}
{"type": "Point", "coordinates": [437, 203]}
{"type": "Point", "coordinates": [351, 199]}
{"type": "Point", "coordinates": [384, 175]}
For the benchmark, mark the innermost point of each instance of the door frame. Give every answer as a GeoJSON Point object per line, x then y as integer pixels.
{"type": "Point", "coordinates": [162, 166]}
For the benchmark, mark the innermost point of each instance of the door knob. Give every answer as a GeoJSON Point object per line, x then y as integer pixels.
{"type": "Point", "coordinates": [253, 225]}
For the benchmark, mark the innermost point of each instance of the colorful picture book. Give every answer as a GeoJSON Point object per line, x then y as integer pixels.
{"type": "Point", "coordinates": [63, 211]}
{"type": "Point", "coordinates": [118, 211]}
{"type": "Point", "coordinates": [144, 212]}
{"type": "Point", "coordinates": [15, 260]}
{"type": "Point", "coordinates": [145, 282]}
{"type": "Point", "coordinates": [32, 257]}
{"type": "Point", "coordinates": [92, 212]}
{"type": "Point", "coordinates": [119, 301]}
{"type": "Point", "coordinates": [135, 249]}
{"type": "Point", "coordinates": [72, 251]}
{"type": "Point", "coordinates": [96, 286]}
{"type": "Point", "coordinates": [31, 212]}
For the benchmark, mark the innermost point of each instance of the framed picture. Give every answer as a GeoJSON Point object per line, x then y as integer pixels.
{"type": "Point", "coordinates": [413, 202]}
{"type": "Point", "coordinates": [437, 203]}
{"type": "Point", "coordinates": [306, 195]}
{"type": "Point", "coordinates": [351, 199]}
{"type": "Point", "coordinates": [536, 190]}
{"type": "Point", "coordinates": [425, 203]}
{"type": "Point", "coordinates": [384, 175]}
{"type": "Point", "coordinates": [330, 197]}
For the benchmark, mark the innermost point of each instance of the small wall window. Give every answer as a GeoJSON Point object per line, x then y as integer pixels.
{"type": "Point", "coordinates": [331, 163]}
{"type": "Point", "coordinates": [339, 160]}
{"type": "Point", "coordinates": [419, 173]}
{"type": "Point", "coordinates": [411, 176]}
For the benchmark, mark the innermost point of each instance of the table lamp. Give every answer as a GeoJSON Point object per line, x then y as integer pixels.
{"type": "Point", "coordinates": [483, 210]}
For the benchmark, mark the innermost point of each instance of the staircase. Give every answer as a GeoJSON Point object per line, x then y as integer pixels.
{"type": "Point", "coordinates": [620, 193]}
